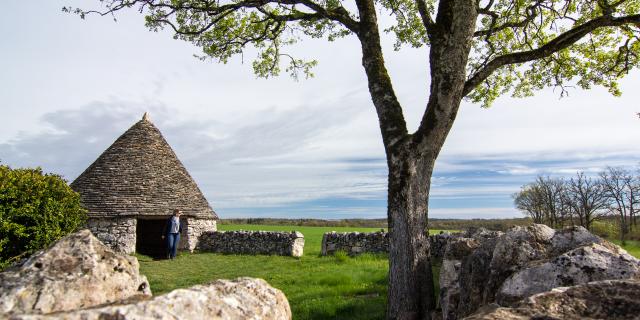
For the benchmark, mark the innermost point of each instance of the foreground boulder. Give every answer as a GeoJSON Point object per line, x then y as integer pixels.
{"type": "Point", "coordinates": [80, 278]}
{"type": "Point", "coordinates": [76, 272]}
{"type": "Point", "coordinates": [611, 299]}
{"type": "Point", "coordinates": [506, 268]}
{"type": "Point", "coordinates": [243, 298]}
{"type": "Point", "coordinates": [581, 265]}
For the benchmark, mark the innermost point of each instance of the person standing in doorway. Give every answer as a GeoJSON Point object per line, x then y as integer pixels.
{"type": "Point", "coordinates": [172, 230]}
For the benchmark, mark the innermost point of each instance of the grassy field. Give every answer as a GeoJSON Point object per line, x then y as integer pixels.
{"type": "Point", "coordinates": [333, 287]}
{"type": "Point", "coordinates": [632, 246]}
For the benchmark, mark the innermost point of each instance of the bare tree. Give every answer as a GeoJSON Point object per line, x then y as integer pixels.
{"type": "Point", "coordinates": [530, 200]}
{"type": "Point", "coordinates": [566, 213]}
{"type": "Point", "coordinates": [543, 201]}
{"type": "Point", "coordinates": [616, 182]}
{"type": "Point", "coordinates": [586, 199]}
{"type": "Point", "coordinates": [551, 189]}
{"type": "Point", "coordinates": [632, 185]}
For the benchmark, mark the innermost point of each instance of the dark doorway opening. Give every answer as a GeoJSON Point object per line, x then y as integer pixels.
{"type": "Point", "coordinates": [149, 238]}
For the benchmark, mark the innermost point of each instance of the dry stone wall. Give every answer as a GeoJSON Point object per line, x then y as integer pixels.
{"type": "Point", "coordinates": [355, 242]}
{"type": "Point", "coordinates": [439, 243]}
{"type": "Point", "coordinates": [253, 242]}
{"type": "Point", "coordinates": [117, 233]}
{"type": "Point", "coordinates": [375, 242]}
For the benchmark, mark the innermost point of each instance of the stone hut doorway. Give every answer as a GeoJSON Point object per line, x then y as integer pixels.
{"type": "Point", "coordinates": [149, 237]}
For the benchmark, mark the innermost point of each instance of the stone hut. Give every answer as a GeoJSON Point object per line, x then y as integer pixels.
{"type": "Point", "coordinates": [133, 187]}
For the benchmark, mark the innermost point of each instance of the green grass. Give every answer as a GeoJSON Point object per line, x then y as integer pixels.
{"type": "Point", "coordinates": [632, 246]}
{"type": "Point", "coordinates": [317, 287]}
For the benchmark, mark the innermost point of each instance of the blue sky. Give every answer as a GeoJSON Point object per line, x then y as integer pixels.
{"type": "Point", "coordinates": [277, 147]}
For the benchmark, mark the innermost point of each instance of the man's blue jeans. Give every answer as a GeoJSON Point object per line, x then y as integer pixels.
{"type": "Point", "coordinates": [172, 244]}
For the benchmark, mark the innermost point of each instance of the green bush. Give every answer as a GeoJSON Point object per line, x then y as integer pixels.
{"type": "Point", "coordinates": [36, 209]}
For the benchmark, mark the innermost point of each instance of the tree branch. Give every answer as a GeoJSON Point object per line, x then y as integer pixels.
{"type": "Point", "coordinates": [493, 29]}
{"type": "Point", "coordinates": [339, 14]}
{"type": "Point", "coordinates": [427, 21]}
{"type": "Point", "coordinates": [391, 119]}
{"type": "Point", "coordinates": [214, 8]}
{"type": "Point", "coordinates": [560, 42]}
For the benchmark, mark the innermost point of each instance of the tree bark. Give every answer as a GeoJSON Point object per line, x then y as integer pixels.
{"type": "Point", "coordinates": [411, 291]}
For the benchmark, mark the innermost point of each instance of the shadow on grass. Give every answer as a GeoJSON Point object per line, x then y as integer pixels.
{"type": "Point", "coordinates": [371, 306]}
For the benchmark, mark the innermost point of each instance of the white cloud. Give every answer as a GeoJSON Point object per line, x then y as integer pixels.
{"type": "Point", "coordinates": [474, 213]}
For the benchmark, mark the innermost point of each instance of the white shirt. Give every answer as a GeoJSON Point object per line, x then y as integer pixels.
{"type": "Point", "coordinates": [175, 225]}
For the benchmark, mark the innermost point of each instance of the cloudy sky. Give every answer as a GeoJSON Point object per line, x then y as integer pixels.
{"type": "Point", "coordinates": [277, 147]}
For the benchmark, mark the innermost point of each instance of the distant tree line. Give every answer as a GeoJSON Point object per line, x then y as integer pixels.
{"type": "Point", "coordinates": [583, 199]}
{"type": "Point", "coordinates": [306, 222]}
{"type": "Point", "coordinates": [434, 224]}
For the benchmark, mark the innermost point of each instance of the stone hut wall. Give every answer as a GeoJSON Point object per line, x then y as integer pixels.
{"type": "Point", "coordinates": [120, 233]}
{"type": "Point", "coordinates": [194, 228]}
{"type": "Point", "coordinates": [253, 242]}
{"type": "Point", "coordinates": [376, 242]}
{"type": "Point", "coordinates": [117, 233]}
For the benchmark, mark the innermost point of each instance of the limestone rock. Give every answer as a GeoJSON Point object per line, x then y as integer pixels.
{"type": "Point", "coordinates": [588, 263]}
{"type": "Point", "coordinates": [610, 299]}
{"type": "Point", "coordinates": [438, 244]}
{"type": "Point", "coordinates": [78, 271]}
{"type": "Point", "coordinates": [455, 250]}
{"type": "Point", "coordinates": [474, 278]}
{"type": "Point", "coordinates": [297, 248]}
{"type": "Point", "coordinates": [505, 268]}
{"type": "Point", "coordinates": [572, 237]}
{"type": "Point", "coordinates": [243, 298]}
{"type": "Point", "coordinates": [481, 233]}
{"type": "Point", "coordinates": [521, 245]}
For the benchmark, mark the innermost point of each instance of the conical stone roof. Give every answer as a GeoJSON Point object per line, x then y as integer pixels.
{"type": "Point", "coordinates": [140, 175]}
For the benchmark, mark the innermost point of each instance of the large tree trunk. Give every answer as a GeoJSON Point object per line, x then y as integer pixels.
{"type": "Point", "coordinates": [411, 291]}
{"type": "Point", "coordinates": [411, 157]}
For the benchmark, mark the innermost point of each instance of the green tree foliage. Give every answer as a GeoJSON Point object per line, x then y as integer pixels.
{"type": "Point", "coordinates": [36, 209]}
{"type": "Point", "coordinates": [518, 47]}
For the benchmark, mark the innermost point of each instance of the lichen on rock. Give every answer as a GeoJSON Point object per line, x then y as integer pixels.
{"type": "Point", "coordinates": [239, 299]}
{"type": "Point", "coordinates": [609, 299]}
{"type": "Point", "coordinates": [506, 268]}
{"type": "Point", "coordinates": [78, 271]}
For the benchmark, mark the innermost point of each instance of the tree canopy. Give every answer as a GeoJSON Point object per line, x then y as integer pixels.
{"type": "Point", "coordinates": [517, 47]}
